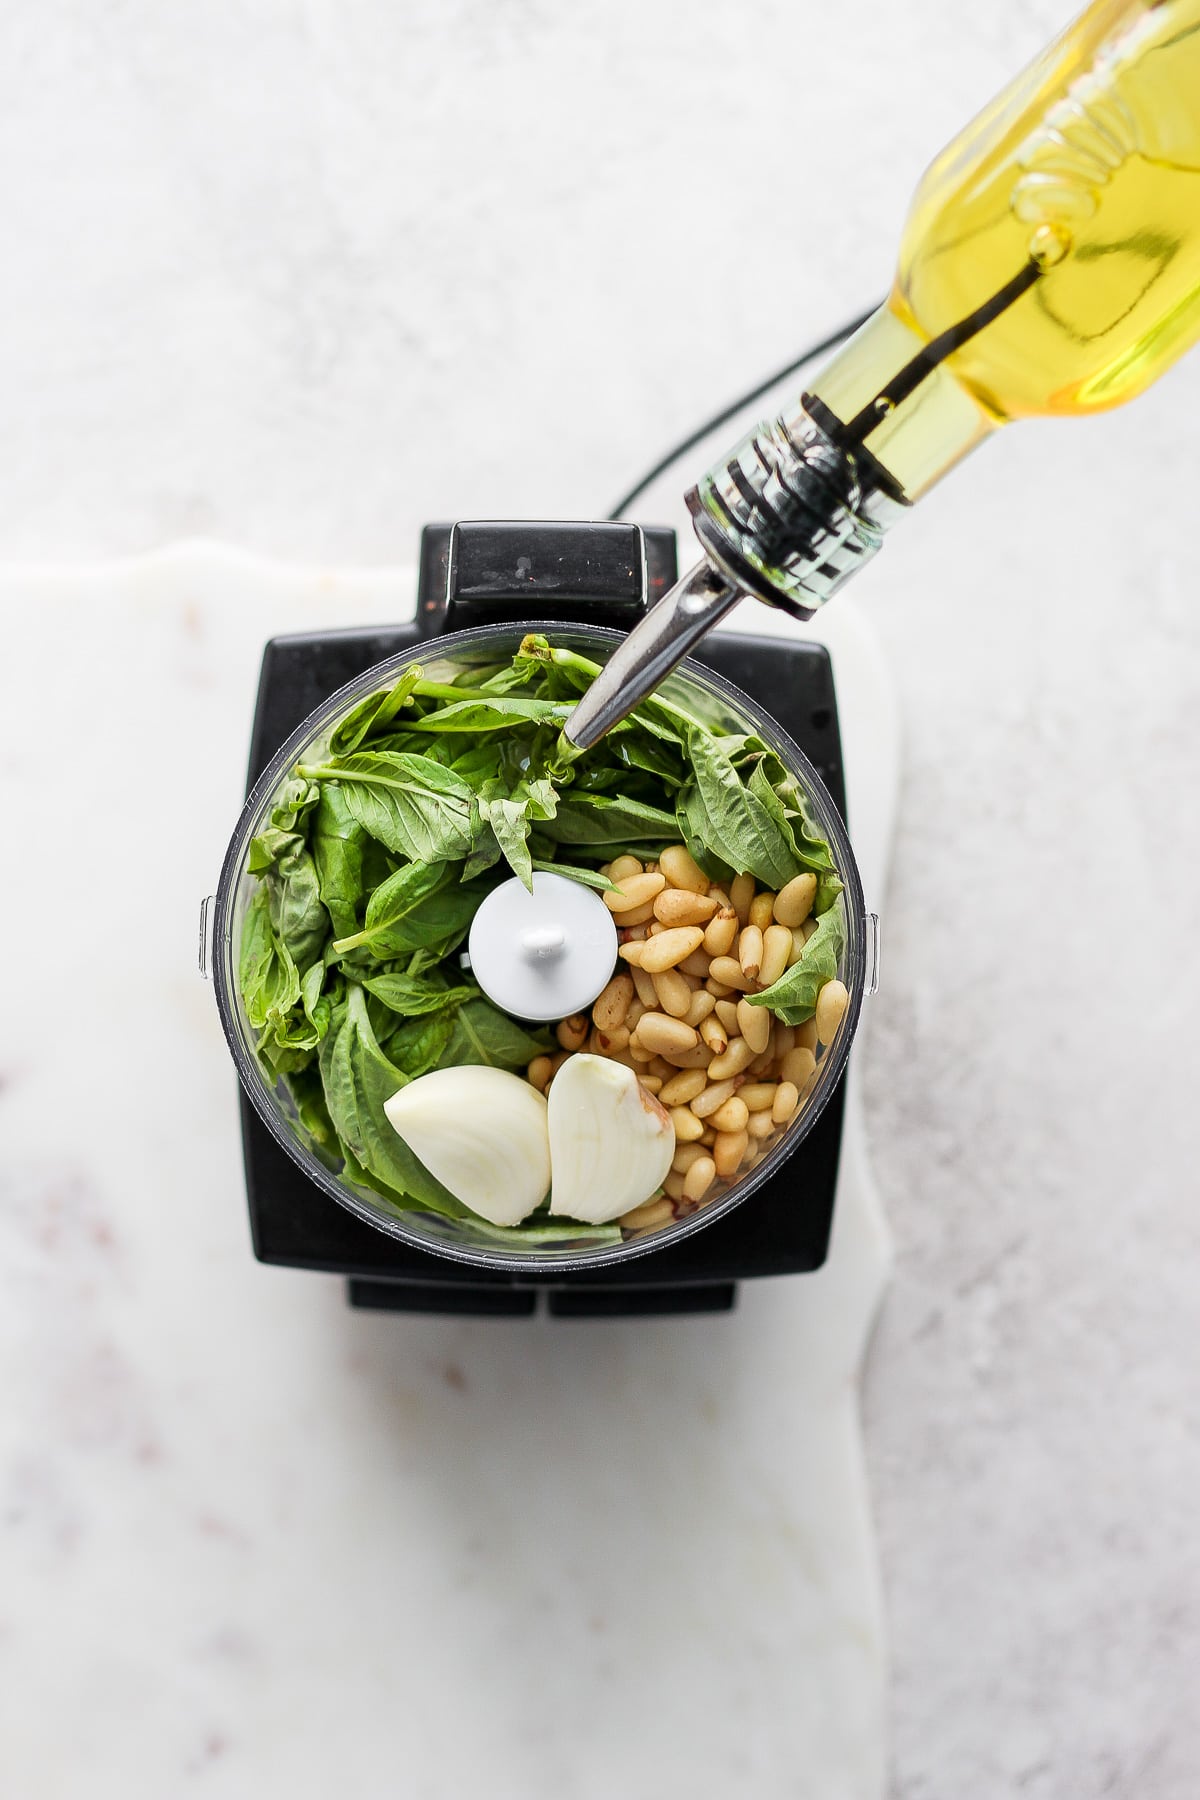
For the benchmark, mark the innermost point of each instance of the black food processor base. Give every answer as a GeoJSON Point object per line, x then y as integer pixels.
{"type": "Point", "coordinates": [481, 574]}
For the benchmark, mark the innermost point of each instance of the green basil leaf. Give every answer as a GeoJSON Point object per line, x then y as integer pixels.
{"type": "Point", "coordinates": [359, 1080]}
{"type": "Point", "coordinates": [531, 1233]}
{"type": "Point", "coordinates": [294, 891]}
{"type": "Point", "coordinates": [591, 878]}
{"type": "Point", "coordinates": [734, 822]}
{"type": "Point", "coordinates": [374, 714]}
{"type": "Point", "coordinates": [597, 819]}
{"type": "Point", "coordinates": [267, 975]}
{"type": "Point", "coordinates": [419, 809]}
{"type": "Point", "coordinates": [502, 713]}
{"type": "Point", "coordinates": [482, 1034]}
{"type": "Point", "coordinates": [793, 998]}
{"type": "Point", "coordinates": [401, 918]}
{"type": "Point", "coordinates": [419, 1044]}
{"type": "Point", "coordinates": [412, 995]}
{"type": "Point", "coordinates": [394, 922]}
{"type": "Point", "coordinates": [337, 850]}
{"type": "Point", "coordinates": [308, 1097]}
{"type": "Point", "coordinates": [267, 848]}
{"type": "Point", "coordinates": [479, 763]}
{"type": "Point", "coordinates": [296, 799]}
{"type": "Point", "coordinates": [507, 818]}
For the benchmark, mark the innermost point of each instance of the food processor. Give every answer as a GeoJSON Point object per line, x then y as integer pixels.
{"type": "Point", "coordinates": [481, 587]}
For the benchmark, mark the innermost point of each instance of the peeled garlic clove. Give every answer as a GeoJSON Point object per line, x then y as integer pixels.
{"type": "Point", "coordinates": [611, 1143]}
{"type": "Point", "coordinates": [482, 1133]}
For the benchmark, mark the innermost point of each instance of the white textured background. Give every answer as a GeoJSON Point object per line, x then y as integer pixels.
{"type": "Point", "coordinates": [302, 276]}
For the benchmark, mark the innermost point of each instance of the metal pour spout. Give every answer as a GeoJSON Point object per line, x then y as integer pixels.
{"type": "Point", "coordinates": [788, 517]}
{"type": "Point", "coordinates": [652, 649]}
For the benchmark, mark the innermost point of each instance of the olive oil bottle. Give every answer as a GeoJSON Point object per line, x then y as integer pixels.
{"type": "Point", "coordinates": [1083, 176]}
{"type": "Point", "coordinates": [1050, 265]}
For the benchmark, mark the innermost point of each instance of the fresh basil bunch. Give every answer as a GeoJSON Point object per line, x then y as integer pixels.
{"type": "Point", "coordinates": [427, 794]}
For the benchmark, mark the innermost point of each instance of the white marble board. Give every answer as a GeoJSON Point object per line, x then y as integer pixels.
{"type": "Point", "coordinates": [257, 1538]}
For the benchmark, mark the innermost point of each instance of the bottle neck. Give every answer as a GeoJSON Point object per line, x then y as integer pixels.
{"type": "Point", "coordinates": [917, 441]}
{"type": "Point", "coordinates": [805, 500]}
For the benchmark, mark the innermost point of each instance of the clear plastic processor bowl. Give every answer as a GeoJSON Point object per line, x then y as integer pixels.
{"type": "Point", "coordinates": [722, 707]}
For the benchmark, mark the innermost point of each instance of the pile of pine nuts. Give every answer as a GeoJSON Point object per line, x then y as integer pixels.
{"type": "Point", "coordinates": [730, 1075]}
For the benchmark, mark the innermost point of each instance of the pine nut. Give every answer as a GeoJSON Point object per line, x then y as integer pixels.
{"type": "Point", "coordinates": [754, 1023]}
{"type": "Point", "coordinates": [539, 1071]}
{"type": "Point", "coordinates": [733, 1116]}
{"type": "Point", "coordinates": [787, 1099]}
{"type": "Point", "coordinates": [632, 953]}
{"type": "Point", "coordinates": [797, 949]}
{"type": "Point", "coordinates": [727, 1013]}
{"type": "Point", "coordinates": [612, 1003]}
{"type": "Point", "coordinates": [609, 1042]}
{"type": "Point", "coordinates": [741, 893]}
{"type": "Point", "coordinates": [758, 1095]}
{"type": "Point", "coordinates": [717, 989]}
{"type": "Point", "coordinates": [749, 951]}
{"type": "Point", "coordinates": [687, 1125]}
{"type": "Point", "coordinates": [636, 1009]}
{"type": "Point", "coordinates": [644, 988]}
{"type": "Point", "coordinates": [785, 1039]}
{"type": "Point", "coordinates": [699, 1178]}
{"type": "Point", "coordinates": [764, 1064]}
{"type": "Point", "coordinates": [721, 932]}
{"type": "Point", "coordinates": [640, 915]}
{"type": "Point", "coordinates": [793, 903]}
{"type": "Point", "coordinates": [806, 1035]}
{"type": "Point", "coordinates": [676, 906]}
{"type": "Point", "coordinates": [713, 1033]}
{"type": "Point", "coordinates": [808, 928]}
{"type": "Point", "coordinates": [728, 1152]}
{"type": "Point", "coordinates": [702, 1003]}
{"type": "Point", "coordinates": [761, 910]}
{"type": "Point", "coordinates": [713, 1097]}
{"type": "Point", "coordinates": [684, 1087]}
{"type": "Point", "coordinates": [660, 1034]}
{"type": "Point", "coordinates": [721, 897]}
{"type": "Point", "coordinates": [699, 1058]}
{"type": "Point", "coordinates": [620, 866]}
{"type": "Point", "coordinates": [761, 1126]}
{"type": "Point", "coordinates": [681, 870]}
{"type": "Point", "coordinates": [777, 947]}
{"type": "Point", "coordinates": [696, 964]}
{"type": "Point", "coordinates": [670, 947]}
{"type": "Point", "coordinates": [685, 1156]}
{"type": "Point", "coordinates": [674, 994]}
{"type": "Point", "coordinates": [649, 1213]}
{"type": "Point", "coordinates": [730, 974]}
{"type": "Point", "coordinates": [832, 1002]}
{"type": "Point", "coordinates": [635, 891]}
{"type": "Point", "coordinates": [674, 1188]}
{"type": "Point", "coordinates": [639, 1054]}
{"type": "Point", "coordinates": [798, 1066]}
{"type": "Point", "coordinates": [661, 1068]}
{"type": "Point", "coordinates": [572, 1033]}
{"type": "Point", "coordinates": [739, 1056]}
{"type": "Point", "coordinates": [651, 1083]}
